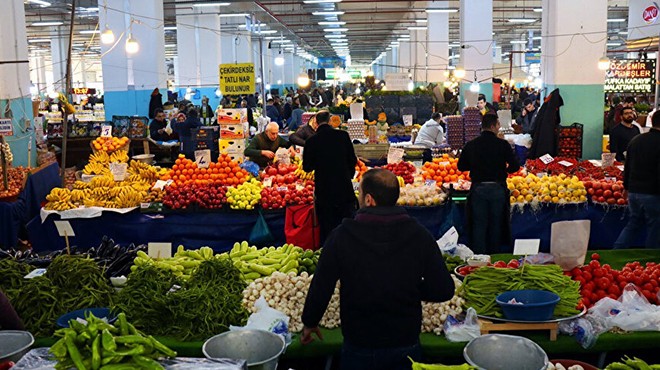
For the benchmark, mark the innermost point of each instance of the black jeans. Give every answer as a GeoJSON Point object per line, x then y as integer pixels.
{"type": "Point", "coordinates": [331, 215]}
{"type": "Point", "coordinates": [356, 358]}
{"type": "Point", "coordinates": [487, 202]}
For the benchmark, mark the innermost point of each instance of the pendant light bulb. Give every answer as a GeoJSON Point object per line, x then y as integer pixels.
{"type": "Point", "coordinates": [107, 36]}
{"type": "Point", "coordinates": [604, 63]}
{"type": "Point", "coordinates": [303, 79]}
{"type": "Point", "coordinates": [132, 45]}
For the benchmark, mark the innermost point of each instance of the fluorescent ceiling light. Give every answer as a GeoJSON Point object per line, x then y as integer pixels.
{"type": "Point", "coordinates": [404, 36]}
{"type": "Point", "coordinates": [233, 15]}
{"type": "Point", "coordinates": [271, 38]}
{"type": "Point", "coordinates": [613, 44]}
{"type": "Point", "coordinates": [335, 29]}
{"type": "Point", "coordinates": [38, 40]}
{"type": "Point", "coordinates": [284, 41]}
{"type": "Point", "coordinates": [536, 38]}
{"type": "Point", "coordinates": [421, 20]}
{"type": "Point", "coordinates": [170, 45]}
{"type": "Point", "coordinates": [614, 20]}
{"type": "Point", "coordinates": [417, 28]}
{"type": "Point", "coordinates": [518, 41]}
{"type": "Point", "coordinates": [337, 23]}
{"type": "Point", "coordinates": [46, 24]}
{"type": "Point", "coordinates": [335, 36]}
{"type": "Point", "coordinates": [39, 2]}
{"type": "Point", "coordinates": [266, 32]}
{"type": "Point", "coordinates": [321, 1]}
{"type": "Point", "coordinates": [538, 10]}
{"type": "Point", "coordinates": [328, 12]}
{"type": "Point", "coordinates": [388, 48]}
{"type": "Point", "coordinates": [522, 20]}
{"type": "Point", "coordinates": [403, 39]}
{"type": "Point", "coordinates": [169, 28]}
{"type": "Point", "coordinates": [203, 5]}
{"type": "Point", "coordinates": [623, 32]}
{"type": "Point", "coordinates": [442, 10]}
{"type": "Point", "coordinates": [89, 32]}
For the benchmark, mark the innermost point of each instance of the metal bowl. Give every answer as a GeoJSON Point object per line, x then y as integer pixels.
{"type": "Point", "coordinates": [14, 344]}
{"type": "Point", "coordinates": [260, 348]}
{"type": "Point", "coordinates": [487, 352]}
{"type": "Point", "coordinates": [144, 158]}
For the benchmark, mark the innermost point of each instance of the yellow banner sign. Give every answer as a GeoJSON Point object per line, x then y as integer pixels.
{"type": "Point", "coordinates": [237, 79]}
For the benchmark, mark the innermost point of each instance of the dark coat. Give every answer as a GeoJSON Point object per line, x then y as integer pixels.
{"type": "Point", "coordinates": [301, 135]}
{"type": "Point", "coordinates": [330, 153]}
{"type": "Point", "coordinates": [155, 102]}
{"type": "Point", "coordinates": [545, 135]}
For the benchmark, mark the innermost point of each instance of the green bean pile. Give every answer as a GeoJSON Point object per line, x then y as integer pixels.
{"type": "Point", "coordinates": [38, 306]}
{"type": "Point", "coordinates": [204, 306]}
{"type": "Point", "coordinates": [12, 273]}
{"type": "Point", "coordinates": [482, 286]}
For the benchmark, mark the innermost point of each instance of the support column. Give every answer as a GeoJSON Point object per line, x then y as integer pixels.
{"type": "Point", "coordinates": [438, 42]}
{"type": "Point", "coordinates": [518, 56]}
{"type": "Point", "coordinates": [497, 56]}
{"type": "Point", "coordinates": [420, 53]}
{"type": "Point", "coordinates": [59, 46]}
{"type": "Point", "coordinates": [289, 68]}
{"type": "Point", "coordinates": [130, 78]}
{"type": "Point", "coordinates": [15, 82]}
{"type": "Point", "coordinates": [38, 73]}
{"type": "Point", "coordinates": [580, 84]}
{"type": "Point", "coordinates": [404, 55]}
{"type": "Point", "coordinates": [476, 29]}
{"type": "Point", "coordinates": [200, 50]}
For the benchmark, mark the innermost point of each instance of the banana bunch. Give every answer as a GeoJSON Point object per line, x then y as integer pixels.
{"type": "Point", "coordinates": [101, 157]}
{"type": "Point", "coordinates": [302, 174]}
{"type": "Point", "coordinates": [59, 195]}
{"type": "Point", "coordinates": [81, 185]}
{"type": "Point", "coordinates": [401, 181]}
{"type": "Point", "coordinates": [59, 206]}
{"type": "Point", "coordinates": [141, 187]}
{"type": "Point", "coordinates": [91, 202]}
{"type": "Point", "coordinates": [78, 196]}
{"type": "Point", "coordinates": [101, 193]}
{"type": "Point", "coordinates": [129, 197]}
{"type": "Point", "coordinates": [102, 181]}
{"type": "Point", "coordinates": [120, 156]}
{"type": "Point", "coordinates": [96, 168]}
{"type": "Point", "coordinates": [139, 171]}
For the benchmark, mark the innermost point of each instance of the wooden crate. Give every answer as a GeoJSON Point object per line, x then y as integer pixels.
{"type": "Point", "coordinates": [371, 151]}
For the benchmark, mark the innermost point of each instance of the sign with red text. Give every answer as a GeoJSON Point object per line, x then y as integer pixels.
{"type": "Point", "coordinates": [650, 14]}
{"type": "Point", "coordinates": [631, 76]}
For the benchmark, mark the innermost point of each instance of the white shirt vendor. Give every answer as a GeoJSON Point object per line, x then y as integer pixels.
{"type": "Point", "coordinates": [431, 133]}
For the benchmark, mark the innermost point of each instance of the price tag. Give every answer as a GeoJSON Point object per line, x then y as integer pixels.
{"type": "Point", "coordinates": [430, 183]}
{"type": "Point", "coordinates": [613, 179]}
{"type": "Point", "coordinates": [203, 158]}
{"type": "Point", "coordinates": [6, 127]}
{"type": "Point", "coordinates": [443, 164]}
{"type": "Point", "coordinates": [106, 131]}
{"type": "Point", "coordinates": [118, 170]}
{"type": "Point", "coordinates": [565, 163]}
{"type": "Point", "coordinates": [35, 273]}
{"type": "Point", "coordinates": [620, 168]}
{"type": "Point", "coordinates": [356, 186]}
{"type": "Point", "coordinates": [159, 250]}
{"type": "Point", "coordinates": [607, 159]}
{"type": "Point", "coordinates": [64, 228]}
{"type": "Point", "coordinates": [541, 175]}
{"type": "Point", "coordinates": [144, 205]}
{"type": "Point", "coordinates": [282, 188]}
{"type": "Point", "coordinates": [526, 247]}
{"type": "Point", "coordinates": [267, 182]}
{"type": "Point", "coordinates": [407, 119]}
{"type": "Point", "coordinates": [299, 187]}
{"type": "Point", "coordinates": [546, 159]}
{"type": "Point", "coordinates": [395, 155]}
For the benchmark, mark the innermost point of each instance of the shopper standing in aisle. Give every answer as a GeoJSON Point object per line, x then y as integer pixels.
{"type": "Point", "coordinates": [331, 155]}
{"type": "Point", "coordinates": [273, 113]}
{"type": "Point", "coordinates": [489, 159]}
{"type": "Point", "coordinates": [387, 264]}
{"type": "Point", "coordinates": [303, 133]}
{"type": "Point", "coordinates": [184, 130]}
{"type": "Point", "coordinates": [525, 121]}
{"type": "Point", "coordinates": [623, 133]}
{"type": "Point", "coordinates": [262, 147]}
{"type": "Point", "coordinates": [206, 113]}
{"type": "Point", "coordinates": [641, 178]}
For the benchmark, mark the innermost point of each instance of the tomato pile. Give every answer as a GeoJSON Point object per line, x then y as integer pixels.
{"type": "Point", "coordinates": [599, 281]}
{"type": "Point", "coordinates": [282, 174]}
{"type": "Point", "coordinates": [606, 192]}
{"type": "Point", "coordinates": [404, 169]}
{"type": "Point", "coordinates": [15, 178]}
{"type": "Point", "coordinates": [584, 170]}
{"type": "Point", "coordinates": [277, 197]}
{"type": "Point", "coordinates": [466, 270]}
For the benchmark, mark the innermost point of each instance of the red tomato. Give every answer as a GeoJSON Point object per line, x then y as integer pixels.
{"type": "Point", "coordinates": [595, 256]}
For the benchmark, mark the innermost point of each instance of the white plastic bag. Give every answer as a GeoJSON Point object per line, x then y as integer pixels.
{"type": "Point", "coordinates": [462, 331]}
{"type": "Point", "coordinates": [569, 241]}
{"type": "Point", "coordinates": [631, 312]}
{"type": "Point", "coordinates": [269, 319]}
{"type": "Point", "coordinates": [448, 244]}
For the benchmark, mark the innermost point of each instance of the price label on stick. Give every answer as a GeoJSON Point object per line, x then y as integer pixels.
{"type": "Point", "coordinates": [407, 119]}
{"type": "Point", "coordinates": [64, 228]}
{"type": "Point", "coordinates": [395, 155]}
{"type": "Point", "coordinates": [159, 250]}
{"type": "Point", "coordinates": [546, 159]}
{"type": "Point", "coordinates": [203, 158]}
{"type": "Point", "coordinates": [565, 163]}
{"type": "Point", "coordinates": [526, 247]}
{"type": "Point", "coordinates": [106, 131]}
{"type": "Point", "coordinates": [118, 170]}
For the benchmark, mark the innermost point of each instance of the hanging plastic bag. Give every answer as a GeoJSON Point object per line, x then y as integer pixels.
{"type": "Point", "coordinates": [250, 167]}
{"type": "Point", "coordinates": [268, 319]}
{"type": "Point", "coordinates": [569, 241]}
{"type": "Point", "coordinates": [462, 331]}
{"type": "Point", "coordinates": [260, 234]}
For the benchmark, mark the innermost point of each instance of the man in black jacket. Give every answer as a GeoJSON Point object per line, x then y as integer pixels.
{"type": "Point", "coordinates": [331, 155]}
{"type": "Point", "coordinates": [304, 132]}
{"type": "Point", "coordinates": [387, 264]}
{"type": "Point", "coordinates": [641, 177]}
{"type": "Point", "coordinates": [489, 159]}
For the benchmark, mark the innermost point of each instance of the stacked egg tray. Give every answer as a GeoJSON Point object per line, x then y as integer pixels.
{"type": "Point", "coordinates": [471, 123]}
{"type": "Point", "coordinates": [455, 132]}
{"type": "Point", "coordinates": [356, 129]}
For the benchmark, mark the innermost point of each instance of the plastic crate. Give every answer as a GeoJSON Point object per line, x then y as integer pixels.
{"type": "Point", "coordinates": [138, 127]}
{"type": "Point", "coordinates": [120, 125]}
{"type": "Point", "coordinates": [78, 129]}
{"type": "Point", "coordinates": [570, 140]}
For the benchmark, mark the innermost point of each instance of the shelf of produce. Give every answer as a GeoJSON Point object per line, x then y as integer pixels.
{"type": "Point", "coordinates": [79, 150]}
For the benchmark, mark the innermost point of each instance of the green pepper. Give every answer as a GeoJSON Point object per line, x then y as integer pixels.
{"type": "Point", "coordinates": [123, 324]}
{"type": "Point", "coordinates": [77, 326]}
{"type": "Point", "coordinates": [108, 341]}
{"type": "Point", "coordinates": [147, 363]}
{"type": "Point", "coordinates": [160, 347]}
{"type": "Point", "coordinates": [74, 353]}
{"type": "Point", "coordinates": [131, 339]}
{"type": "Point", "coordinates": [137, 350]}
{"type": "Point", "coordinates": [119, 367]}
{"type": "Point", "coordinates": [96, 353]}
{"type": "Point", "coordinates": [59, 349]}
{"type": "Point", "coordinates": [618, 366]}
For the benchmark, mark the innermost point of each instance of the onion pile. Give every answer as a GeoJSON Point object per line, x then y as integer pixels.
{"type": "Point", "coordinates": [434, 314]}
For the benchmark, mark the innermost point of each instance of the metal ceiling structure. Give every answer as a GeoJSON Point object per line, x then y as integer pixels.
{"type": "Point", "coordinates": [371, 24]}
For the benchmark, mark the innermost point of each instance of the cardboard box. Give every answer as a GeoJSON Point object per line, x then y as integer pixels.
{"type": "Point", "coordinates": [232, 146]}
{"type": "Point", "coordinates": [231, 116]}
{"type": "Point", "coordinates": [238, 158]}
{"type": "Point", "coordinates": [233, 131]}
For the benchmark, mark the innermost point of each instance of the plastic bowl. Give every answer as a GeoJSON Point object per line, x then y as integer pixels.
{"type": "Point", "coordinates": [144, 158]}
{"type": "Point", "coordinates": [14, 344]}
{"type": "Point", "coordinates": [537, 305]}
{"type": "Point", "coordinates": [505, 352]}
{"type": "Point", "coordinates": [99, 312]}
{"type": "Point", "coordinates": [569, 363]}
{"type": "Point", "coordinates": [260, 348]}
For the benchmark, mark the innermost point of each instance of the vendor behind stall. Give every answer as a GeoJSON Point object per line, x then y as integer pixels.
{"type": "Point", "coordinates": [432, 133]}
{"type": "Point", "coordinates": [263, 147]}
{"type": "Point", "coordinates": [158, 127]}
{"type": "Point", "coordinates": [185, 134]}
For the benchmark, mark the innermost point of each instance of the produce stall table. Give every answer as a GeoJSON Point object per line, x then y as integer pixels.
{"type": "Point", "coordinates": [438, 347]}
{"type": "Point", "coordinates": [221, 229]}
{"type": "Point", "coordinates": [78, 149]}
{"type": "Point", "coordinates": [15, 214]}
